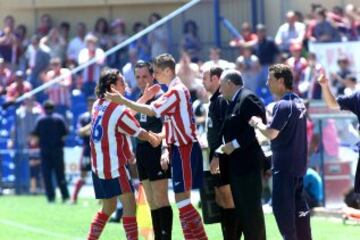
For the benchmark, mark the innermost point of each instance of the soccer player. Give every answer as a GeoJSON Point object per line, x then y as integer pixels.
{"type": "Point", "coordinates": [152, 176]}
{"type": "Point", "coordinates": [111, 126]}
{"type": "Point", "coordinates": [84, 129]}
{"type": "Point", "coordinates": [184, 150]}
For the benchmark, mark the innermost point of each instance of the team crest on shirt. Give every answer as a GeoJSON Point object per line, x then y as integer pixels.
{"type": "Point", "coordinates": [143, 118]}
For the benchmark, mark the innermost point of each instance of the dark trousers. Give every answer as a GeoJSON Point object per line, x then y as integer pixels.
{"type": "Point", "coordinates": [246, 190]}
{"type": "Point", "coordinates": [290, 208]}
{"type": "Point", "coordinates": [53, 162]}
{"type": "Point", "coordinates": [357, 177]}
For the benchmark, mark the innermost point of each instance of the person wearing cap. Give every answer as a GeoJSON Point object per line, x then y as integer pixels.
{"type": "Point", "coordinates": [18, 87]}
{"type": "Point", "coordinates": [91, 74]}
{"type": "Point", "coordinates": [50, 132]}
{"type": "Point", "coordinates": [244, 154]}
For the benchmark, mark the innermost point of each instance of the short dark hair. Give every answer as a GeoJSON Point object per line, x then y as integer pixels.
{"type": "Point", "coordinates": [142, 64]}
{"type": "Point", "coordinates": [283, 71]}
{"type": "Point", "coordinates": [216, 71]}
{"type": "Point", "coordinates": [165, 60]}
{"type": "Point", "coordinates": [233, 76]}
{"type": "Point", "coordinates": [108, 76]}
{"type": "Point", "coordinates": [49, 106]}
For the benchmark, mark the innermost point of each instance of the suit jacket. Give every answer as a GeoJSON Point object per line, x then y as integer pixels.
{"type": "Point", "coordinates": [249, 156]}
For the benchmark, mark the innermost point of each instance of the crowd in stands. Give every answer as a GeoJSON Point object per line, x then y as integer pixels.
{"type": "Point", "coordinates": [29, 60]}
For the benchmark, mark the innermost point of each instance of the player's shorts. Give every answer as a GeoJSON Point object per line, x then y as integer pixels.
{"type": "Point", "coordinates": [148, 163]}
{"type": "Point", "coordinates": [85, 164]}
{"type": "Point", "coordinates": [108, 188]}
{"type": "Point", "coordinates": [35, 171]}
{"type": "Point", "coordinates": [221, 179]}
{"type": "Point", "coordinates": [187, 167]}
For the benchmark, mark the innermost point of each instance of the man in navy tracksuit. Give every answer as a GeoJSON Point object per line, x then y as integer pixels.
{"type": "Point", "coordinates": [287, 133]}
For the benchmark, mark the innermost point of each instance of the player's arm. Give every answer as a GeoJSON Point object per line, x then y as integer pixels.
{"type": "Point", "coordinates": [329, 98]}
{"type": "Point", "coordinates": [117, 97]}
{"type": "Point", "coordinates": [153, 139]}
{"type": "Point", "coordinates": [268, 132]}
{"type": "Point", "coordinates": [85, 130]}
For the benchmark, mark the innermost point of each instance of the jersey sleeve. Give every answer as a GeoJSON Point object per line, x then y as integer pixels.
{"type": "Point", "coordinates": [281, 116]}
{"type": "Point", "coordinates": [165, 103]}
{"type": "Point", "coordinates": [127, 124]}
{"type": "Point", "coordinates": [349, 102]}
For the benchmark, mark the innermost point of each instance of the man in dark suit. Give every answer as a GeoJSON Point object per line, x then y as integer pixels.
{"type": "Point", "coordinates": [244, 153]}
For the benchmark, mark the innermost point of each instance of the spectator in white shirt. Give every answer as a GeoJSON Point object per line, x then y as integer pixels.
{"type": "Point", "coordinates": [77, 43]}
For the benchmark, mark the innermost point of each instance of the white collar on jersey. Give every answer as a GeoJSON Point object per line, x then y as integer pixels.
{"type": "Point", "coordinates": [175, 81]}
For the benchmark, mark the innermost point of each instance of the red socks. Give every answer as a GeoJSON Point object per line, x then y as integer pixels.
{"type": "Point", "coordinates": [191, 223]}
{"type": "Point", "coordinates": [131, 228]}
{"type": "Point", "coordinates": [78, 186]}
{"type": "Point", "coordinates": [97, 226]}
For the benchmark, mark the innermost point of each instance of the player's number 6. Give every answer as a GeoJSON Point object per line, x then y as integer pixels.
{"type": "Point", "coordinates": [97, 131]}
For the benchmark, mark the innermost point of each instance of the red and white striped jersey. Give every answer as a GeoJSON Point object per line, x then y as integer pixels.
{"type": "Point", "coordinates": [59, 92]}
{"type": "Point", "coordinates": [111, 126]}
{"type": "Point", "coordinates": [175, 107]}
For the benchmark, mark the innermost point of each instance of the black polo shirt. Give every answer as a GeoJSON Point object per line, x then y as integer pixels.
{"type": "Point", "coordinates": [50, 129]}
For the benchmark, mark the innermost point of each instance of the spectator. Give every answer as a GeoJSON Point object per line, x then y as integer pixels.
{"type": "Point", "coordinates": [77, 43]}
{"type": "Point", "coordinates": [21, 45]}
{"type": "Point", "coordinates": [351, 85]}
{"type": "Point", "coordinates": [313, 188]}
{"type": "Point", "coordinates": [309, 87]}
{"type": "Point", "coordinates": [45, 25]}
{"type": "Point", "coordinates": [142, 44]}
{"type": "Point", "coordinates": [59, 93]}
{"type": "Point", "coordinates": [291, 32]}
{"type": "Point", "coordinates": [5, 76]}
{"type": "Point", "coordinates": [101, 31]}
{"type": "Point", "coordinates": [297, 63]}
{"type": "Point", "coordinates": [248, 38]}
{"type": "Point", "coordinates": [64, 30]}
{"type": "Point", "coordinates": [188, 72]}
{"type": "Point", "coordinates": [26, 116]}
{"type": "Point", "coordinates": [8, 45]}
{"type": "Point", "coordinates": [216, 61]}
{"type": "Point", "coordinates": [38, 58]}
{"type": "Point", "coordinates": [267, 52]}
{"type": "Point", "coordinates": [158, 38]}
{"type": "Point", "coordinates": [190, 41]}
{"type": "Point", "coordinates": [129, 76]}
{"type": "Point", "coordinates": [91, 74]}
{"type": "Point", "coordinates": [18, 87]}
{"type": "Point", "coordinates": [337, 79]}
{"type": "Point", "coordinates": [324, 31]}
{"type": "Point", "coordinates": [56, 44]}
{"type": "Point", "coordinates": [248, 65]}
{"type": "Point", "coordinates": [118, 29]}
{"type": "Point", "coordinates": [50, 131]}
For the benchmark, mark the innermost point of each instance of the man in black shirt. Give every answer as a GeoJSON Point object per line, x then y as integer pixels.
{"type": "Point", "coordinates": [216, 116]}
{"type": "Point", "coordinates": [50, 131]}
{"type": "Point", "coordinates": [151, 173]}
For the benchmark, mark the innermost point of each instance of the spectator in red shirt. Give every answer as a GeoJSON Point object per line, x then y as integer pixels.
{"type": "Point", "coordinates": [18, 88]}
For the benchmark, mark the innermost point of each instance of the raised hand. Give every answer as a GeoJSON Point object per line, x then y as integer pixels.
{"type": "Point", "coordinates": [150, 92]}
{"type": "Point", "coordinates": [322, 80]}
{"type": "Point", "coordinates": [114, 96]}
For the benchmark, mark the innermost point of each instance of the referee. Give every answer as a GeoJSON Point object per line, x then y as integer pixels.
{"type": "Point", "coordinates": [216, 117]}
{"type": "Point", "coordinates": [152, 176]}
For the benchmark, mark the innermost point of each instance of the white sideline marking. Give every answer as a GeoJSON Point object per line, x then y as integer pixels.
{"type": "Point", "coordinates": [37, 230]}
